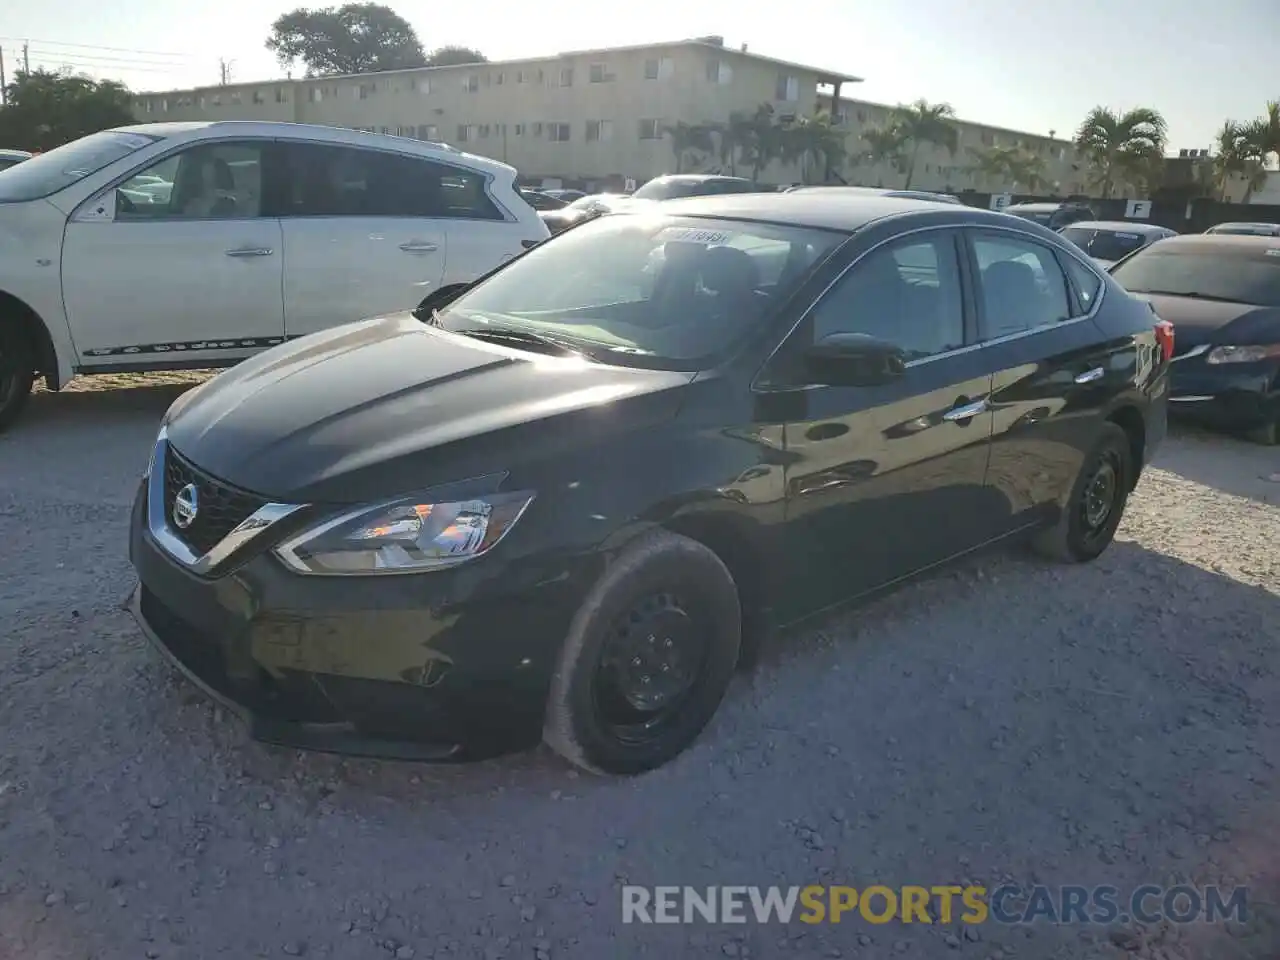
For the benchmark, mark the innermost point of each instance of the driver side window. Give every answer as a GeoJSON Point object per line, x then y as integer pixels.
{"type": "Point", "coordinates": [1021, 287]}
{"type": "Point", "coordinates": [210, 181]}
{"type": "Point", "coordinates": [907, 292]}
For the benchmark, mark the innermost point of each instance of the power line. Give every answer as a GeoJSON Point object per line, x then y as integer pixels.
{"type": "Point", "coordinates": [60, 54]}
{"type": "Point", "coordinates": [56, 61]}
{"type": "Point", "coordinates": [95, 46]}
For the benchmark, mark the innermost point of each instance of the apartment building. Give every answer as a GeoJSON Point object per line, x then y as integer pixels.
{"type": "Point", "coordinates": [585, 115]}
{"type": "Point", "coordinates": [594, 116]}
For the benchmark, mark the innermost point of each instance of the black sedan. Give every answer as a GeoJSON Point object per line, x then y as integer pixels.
{"type": "Point", "coordinates": [1222, 294]}
{"type": "Point", "coordinates": [568, 500]}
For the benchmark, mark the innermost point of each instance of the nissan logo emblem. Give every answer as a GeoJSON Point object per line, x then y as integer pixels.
{"type": "Point", "coordinates": [186, 505]}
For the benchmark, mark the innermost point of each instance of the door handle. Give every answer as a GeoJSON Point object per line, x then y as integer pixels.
{"type": "Point", "coordinates": [967, 410]}
{"type": "Point", "coordinates": [1090, 375]}
{"type": "Point", "coordinates": [250, 252]}
{"type": "Point", "coordinates": [414, 246]}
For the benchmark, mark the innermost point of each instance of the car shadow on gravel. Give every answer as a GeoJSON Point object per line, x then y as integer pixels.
{"type": "Point", "coordinates": [93, 406]}
{"type": "Point", "coordinates": [1221, 461]}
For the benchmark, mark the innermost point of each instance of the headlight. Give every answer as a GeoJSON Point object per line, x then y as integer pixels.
{"type": "Point", "coordinates": [405, 536]}
{"type": "Point", "coordinates": [1243, 354]}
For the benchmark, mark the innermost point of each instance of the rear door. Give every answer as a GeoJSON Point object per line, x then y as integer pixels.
{"type": "Point", "coordinates": [363, 234]}
{"type": "Point", "coordinates": [1053, 370]}
{"type": "Point", "coordinates": [882, 481]}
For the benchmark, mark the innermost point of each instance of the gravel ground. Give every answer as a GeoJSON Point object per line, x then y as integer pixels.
{"type": "Point", "coordinates": [1005, 720]}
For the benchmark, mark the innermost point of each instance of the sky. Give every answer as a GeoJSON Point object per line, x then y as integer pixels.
{"type": "Point", "coordinates": [1023, 64]}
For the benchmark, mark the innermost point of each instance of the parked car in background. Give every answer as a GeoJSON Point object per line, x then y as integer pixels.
{"type": "Point", "coordinates": [559, 502]}
{"type": "Point", "coordinates": [1110, 240]}
{"type": "Point", "coordinates": [583, 208]}
{"type": "Point", "coordinates": [11, 158]}
{"type": "Point", "coordinates": [1247, 229]}
{"type": "Point", "coordinates": [1055, 216]}
{"type": "Point", "coordinates": [568, 196]}
{"type": "Point", "coordinates": [1222, 294]}
{"type": "Point", "coordinates": [879, 192]}
{"type": "Point", "coordinates": [191, 245]}
{"type": "Point", "coordinates": [677, 185]}
{"type": "Point", "coordinates": [541, 201]}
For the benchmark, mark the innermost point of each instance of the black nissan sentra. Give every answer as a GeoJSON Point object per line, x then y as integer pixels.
{"type": "Point", "coordinates": [567, 501]}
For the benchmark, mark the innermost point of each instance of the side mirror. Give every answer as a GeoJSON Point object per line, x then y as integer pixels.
{"type": "Point", "coordinates": [854, 360]}
{"type": "Point", "coordinates": [439, 297]}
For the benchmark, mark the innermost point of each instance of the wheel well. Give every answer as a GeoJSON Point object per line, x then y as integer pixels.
{"type": "Point", "coordinates": [13, 310]}
{"type": "Point", "coordinates": [1130, 421]}
{"type": "Point", "coordinates": [732, 544]}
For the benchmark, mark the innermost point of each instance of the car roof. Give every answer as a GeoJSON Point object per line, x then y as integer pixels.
{"type": "Point", "coordinates": [1120, 226]}
{"type": "Point", "coordinates": [698, 177]}
{"type": "Point", "coordinates": [316, 131]}
{"type": "Point", "coordinates": [835, 210]}
{"type": "Point", "coordinates": [872, 191]}
{"type": "Point", "coordinates": [1238, 244]}
{"type": "Point", "coordinates": [1042, 207]}
{"type": "Point", "coordinates": [1246, 224]}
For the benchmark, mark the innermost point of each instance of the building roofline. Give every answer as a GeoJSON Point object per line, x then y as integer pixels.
{"type": "Point", "coordinates": [969, 123]}
{"type": "Point", "coordinates": [824, 76]}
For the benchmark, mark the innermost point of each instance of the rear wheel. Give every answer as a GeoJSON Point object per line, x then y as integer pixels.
{"type": "Point", "coordinates": [1090, 517]}
{"type": "Point", "coordinates": [648, 658]}
{"type": "Point", "coordinates": [17, 372]}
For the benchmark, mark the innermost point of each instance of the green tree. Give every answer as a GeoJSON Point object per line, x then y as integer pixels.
{"type": "Point", "coordinates": [732, 138]}
{"type": "Point", "coordinates": [815, 145]}
{"type": "Point", "coordinates": [47, 109]}
{"type": "Point", "coordinates": [884, 145]}
{"type": "Point", "coordinates": [453, 56]}
{"type": "Point", "coordinates": [1121, 146]}
{"type": "Point", "coordinates": [1013, 167]}
{"type": "Point", "coordinates": [922, 123]}
{"type": "Point", "coordinates": [760, 140]}
{"type": "Point", "coordinates": [353, 38]}
{"type": "Point", "coordinates": [686, 138]}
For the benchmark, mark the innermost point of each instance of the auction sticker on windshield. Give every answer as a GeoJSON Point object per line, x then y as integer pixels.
{"type": "Point", "coordinates": [692, 235]}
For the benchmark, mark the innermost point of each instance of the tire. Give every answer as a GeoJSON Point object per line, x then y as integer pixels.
{"type": "Point", "coordinates": [1074, 539]}
{"type": "Point", "coordinates": [1268, 435]}
{"type": "Point", "coordinates": [17, 372]}
{"type": "Point", "coordinates": [661, 587]}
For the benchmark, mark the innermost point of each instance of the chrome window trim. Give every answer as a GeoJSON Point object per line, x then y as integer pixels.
{"type": "Point", "coordinates": [968, 348]}
{"type": "Point", "coordinates": [158, 520]}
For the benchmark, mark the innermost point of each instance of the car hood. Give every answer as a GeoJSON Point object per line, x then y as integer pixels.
{"type": "Point", "coordinates": [388, 406]}
{"type": "Point", "coordinates": [1196, 322]}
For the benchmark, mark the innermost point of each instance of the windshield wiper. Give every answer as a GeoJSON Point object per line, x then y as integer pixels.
{"type": "Point", "coordinates": [523, 337]}
{"type": "Point", "coordinates": [1191, 294]}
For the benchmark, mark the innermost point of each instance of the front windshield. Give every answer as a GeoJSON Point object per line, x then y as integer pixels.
{"type": "Point", "coordinates": [1213, 276]}
{"type": "Point", "coordinates": [656, 291]}
{"type": "Point", "coordinates": [47, 173]}
{"type": "Point", "coordinates": [1104, 244]}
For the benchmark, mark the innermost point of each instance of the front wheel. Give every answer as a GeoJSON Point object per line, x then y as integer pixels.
{"type": "Point", "coordinates": [1090, 517]}
{"type": "Point", "coordinates": [648, 658]}
{"type": "Point", "coordinates": [17, 373]}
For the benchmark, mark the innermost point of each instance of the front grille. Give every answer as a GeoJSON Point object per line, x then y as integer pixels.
{"type": "Point", "coordinates": [221, 507]}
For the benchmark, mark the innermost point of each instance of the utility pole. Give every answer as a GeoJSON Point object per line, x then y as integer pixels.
{"type": "Point", "coordinates": [4, 87]}
{"type": "Point", "coordinates": [26, 59]}
{"type": "Point", "coordinates": [224, 71]}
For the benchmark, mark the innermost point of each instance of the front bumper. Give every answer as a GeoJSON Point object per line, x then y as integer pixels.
{"type": "Point", "coordinates": [1232, 396]}
{"type": "Point", "coordinates": [448, 665]}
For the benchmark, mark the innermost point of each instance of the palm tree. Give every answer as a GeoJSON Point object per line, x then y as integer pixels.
{"type": "Point", "coordinates": [1120, 146]}
{"type": "Point", "coordinates": [884, 145]}
{"type": "Point", "coordinates": [920, 123]}
{"type": "Point", "coordinates": [1228, 157]}
{"type": "Point", "coordinates": [814, 143]}
{"type": "Point", "coordinates": [687, 137]}
{"type": "Point", "coordinates": [1012, 167]}
{"type": "Point", "coordinates": [732, 137]}
{"type": "Point", "coordinates": [756, 140]}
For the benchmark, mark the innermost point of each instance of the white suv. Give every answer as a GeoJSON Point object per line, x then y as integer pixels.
{"type": "Point", "coordinates": [191, 245]}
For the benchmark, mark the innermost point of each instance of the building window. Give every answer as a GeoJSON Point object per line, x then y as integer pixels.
{"type": "Point", "coordinates": [235, 99]}
{"type": "Point", "coordinates": [988, 138]}
{"type": "Point", "coordinates": [719, 72]}
{"type": "Point", "coordinates": [422, 85]}
{"type": "Point", "coordinates": [315, 94]}
{"type": "Point", "coordinates": [652, 68]}
{"type": "Point", "coordinates": [472, 83]}
{"type": "Point", "coordinates": [281, 96]}
{"type": "Point", "coordinates": [599, 130]}
{"type": "Point", "coordinates": [216, 100]}
{"type": "Point", "coordinates": [600, 73]}
{"type": "Point", "coordinates": [650, 129]}
{"type": "Point", "coordinates": [164, 105]}
{"type": "Point", "coordinates": [519, 130]}
{"type": "Point", "coordinates": [788, 88]}
{"type": "Point", "coordinates": [484, 131]}
{"type": "Point", "coordinates": [537, 129]}
{"type": "Point", "coordinates": [384, 130]}
{"type": "Point", "coordinates": [404, 131]}
{"type": "Point", "coordinates": [464, 133]}
{"type": "Point", "coordinates": [519, 76]}
{"type": "Point", "coordinates": [559, 132]}
{"type": "Point", "coordinates": [258, 97]}
{"type": "Point", "coordinates": [566, 76]}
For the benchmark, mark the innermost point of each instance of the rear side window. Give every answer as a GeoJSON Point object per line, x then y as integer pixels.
{"type": "Point", "coordinates": [1021, 286]}
{"type": "Point", "coordinates": [325, 181]}
{"type": "Point", "coordinates": [1087, 283]}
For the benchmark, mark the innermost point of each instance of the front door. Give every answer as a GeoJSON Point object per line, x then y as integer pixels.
{"type": "Point", "coordinates": [1053, 373]}
{"type": "Point", "coordinates": [177, 263]}
{"type": "Point", "coordinates": [362, 234]}
{"type": "Point", "coordinates": [885, 480]}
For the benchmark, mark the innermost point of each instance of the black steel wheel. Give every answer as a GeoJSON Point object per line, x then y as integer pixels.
{"type": "Point", "coordinates": [648, 658]}
{"type": "Point", "coordinates": [1096, 503]}
{"type": "Point", "coordinates": [17, 372]}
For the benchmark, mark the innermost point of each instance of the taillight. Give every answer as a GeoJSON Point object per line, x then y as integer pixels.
{"type": "Point", "coordinates": [1164, 337]}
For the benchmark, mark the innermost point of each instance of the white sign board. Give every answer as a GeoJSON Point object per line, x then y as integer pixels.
{"type": "Point", "coordinates": [1001, 200]}
{"type": "Point", "coordinates": [629, 186]}
{"type": "Point", "coordinates": [1137, 210]}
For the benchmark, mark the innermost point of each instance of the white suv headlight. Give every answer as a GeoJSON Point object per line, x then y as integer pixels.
{"type": "Point", "coordinates": [404, 536]}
